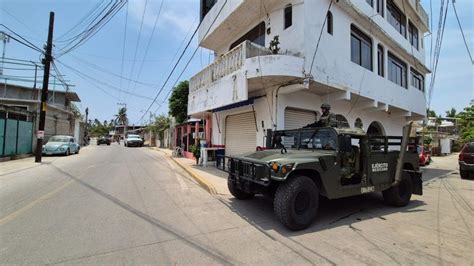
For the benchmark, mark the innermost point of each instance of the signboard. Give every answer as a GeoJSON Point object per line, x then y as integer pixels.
{"type": "Point", "coordinates": [40, 134]}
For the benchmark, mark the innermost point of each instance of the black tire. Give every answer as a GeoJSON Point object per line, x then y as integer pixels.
{"type": "Point", "coordinates": [77, 152]}
{"type": "Point", "coordinates": [236, 192]}
{"type": "Point", "coordinates": [67, 152]}
{"type": "Point", "coordinates": [464, 174]}
{"type": "Point", "coordinates": [399, 195]}
{"type": "Point", "coordinates": [108, 144]}
{"type": "Point", "coordinates": [296, 202]}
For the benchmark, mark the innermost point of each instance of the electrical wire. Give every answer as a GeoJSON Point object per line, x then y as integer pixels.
{"type": "Point", "coordinates": [319, 38]}
{"type": "Point", "coordinates": [138, 43]}
{"type": "Point", "coordinates": [123, 48]}
{"type": "Point", "coordinates": [148, 45]}
{"type": "Point", "coordinates": [181, 56]}
{"type": "Point", "coordinates": [462, 32]}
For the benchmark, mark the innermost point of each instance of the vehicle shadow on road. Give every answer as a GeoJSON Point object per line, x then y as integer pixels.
{"type": "Point", "coordinates": [332, 213]}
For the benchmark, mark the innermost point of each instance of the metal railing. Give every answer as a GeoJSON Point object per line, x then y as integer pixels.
{"type": "Point", "coordinates": [226, 64]}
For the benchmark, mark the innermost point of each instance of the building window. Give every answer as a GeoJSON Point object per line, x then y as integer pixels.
{"type": "Point", "coordinates": [417, 80]}
{"type": "Point", "coordinates": [380, 7]}
{"type": "Point", "coordinates": [396, 18]}
{"type": "Point", "coordinates": [380, 61]}
{"type": "Point", "coordinates": [413, 35]}
{"type": "Point", "coordinates": [361, 48]}
{"type": "Point", "coordinates": [397, 70]}
{"type": "Point", "coordinates": [329, 23]}
{"type": "Point", "coordinates": [255, 35]}
{"type": "Point", "coordinates": [370, 2]}
{"type": "Point", "coordinates": [288, 16]}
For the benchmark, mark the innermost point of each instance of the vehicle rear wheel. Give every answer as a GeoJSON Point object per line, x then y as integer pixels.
{"type": "Point", "coordinates": [67, 152]}
{"type": "Point", "coordinates": [399, 195]}
{"type": "Point", "coordinates": [237, 192]}
{"type": "Point", "coordinates": [296, 202]}
{"type": "Point", "coordinates": [464, 174]}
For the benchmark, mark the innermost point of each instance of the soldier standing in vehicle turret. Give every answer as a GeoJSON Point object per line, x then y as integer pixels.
{"type": "Point", "coordinates": [327, 118]}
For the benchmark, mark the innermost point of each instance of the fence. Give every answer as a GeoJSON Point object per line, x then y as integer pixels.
{"type": "Point", "coordinates": [16, 131]}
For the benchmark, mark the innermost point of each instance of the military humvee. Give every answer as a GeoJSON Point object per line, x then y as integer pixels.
{"type": "Point", "coordinates": [299, 166]}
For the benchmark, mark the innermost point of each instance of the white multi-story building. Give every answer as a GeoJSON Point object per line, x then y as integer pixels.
{"type": "Point", "coordinates": [364, 57]}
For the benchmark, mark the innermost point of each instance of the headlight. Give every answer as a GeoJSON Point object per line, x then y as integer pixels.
{"type": "Point", "coordinates": [275, 167]}
{"type": "Point", "coordinates": [287, 168]}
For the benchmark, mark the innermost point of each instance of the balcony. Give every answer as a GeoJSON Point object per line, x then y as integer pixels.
{"type": "Point", "coordinates": [226, 64]}
{"type": "Point", "coordinates": [245, 69]}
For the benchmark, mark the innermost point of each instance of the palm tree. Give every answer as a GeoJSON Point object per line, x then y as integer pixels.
{"type": "Point", "coordinates": [451, 113]}
{"type": "Point", "coordinates": [121, 118]}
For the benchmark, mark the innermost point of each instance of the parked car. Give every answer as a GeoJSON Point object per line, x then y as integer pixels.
{"type": "Point", "coordinates": [466, 160]}
{"type": "Point", "coordinates": [104, 140]}
{"type": "Point", "coordinates": [133, 141]}
{"type": "Point", "coordinates": [425, 155]}
{"type": "Point", "coordinates": [64, 145]}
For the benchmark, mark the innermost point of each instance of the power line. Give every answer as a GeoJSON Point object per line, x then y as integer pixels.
{"type": "Point", "coordinates": [181, 56]}
{"type": "Point", "coordinates": [123, 48]}
{"type": "Point", "coordinates": [88, 77]}
{"type": "Point", "coordinates": [462, 32]}
{"type": "Point", "coordinates": [20, 39]}
{"type": "Point", "coordinates": [319, 38]}
{"type": "Point", "coordinates": [138, 43]}
{"type": "Point", "coordinates": [148, 44]}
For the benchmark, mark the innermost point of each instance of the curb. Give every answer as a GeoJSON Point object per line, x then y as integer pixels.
{"type": "Point", "coordinates": [209, 187]}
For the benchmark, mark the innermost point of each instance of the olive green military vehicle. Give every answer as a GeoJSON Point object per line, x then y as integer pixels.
{"type": "Point", "coordinates": [299, 166]}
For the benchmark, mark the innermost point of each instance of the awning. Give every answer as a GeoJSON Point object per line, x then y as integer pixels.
{"type": "Point", "coordinates": [250, 101]}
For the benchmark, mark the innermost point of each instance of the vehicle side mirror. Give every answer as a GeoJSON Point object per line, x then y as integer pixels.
{"type": "Point", "coordinates": [345, 143]}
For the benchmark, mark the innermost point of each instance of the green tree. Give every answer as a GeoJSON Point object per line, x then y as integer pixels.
{"type": "Point", "coordinates": [75, 111]}
{"type": "Point", "coordinates": [466, 124]}
{"type": "Point", "coordinates": [121, 117]}
{"type": "Point", "coordinates": [430, 113]}
{"type": "Point", "coordinates": [178, 102]}
{"type": "Point", "coordinates": [451, 113]}
{"type": "Point", "coordinates": [161, 123]}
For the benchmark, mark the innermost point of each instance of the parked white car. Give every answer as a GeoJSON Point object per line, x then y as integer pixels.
{"type": "Point", "coordinates": [133, 141]}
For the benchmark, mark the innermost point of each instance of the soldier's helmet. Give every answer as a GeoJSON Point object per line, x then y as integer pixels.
{"type": "Point", "coordinates": [326, 106]}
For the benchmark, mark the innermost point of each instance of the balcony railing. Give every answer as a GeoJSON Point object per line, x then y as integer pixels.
{"type": "Point", "coordinates": [226, 64]}
{"type": "Point", "coordinates": [419, 9]}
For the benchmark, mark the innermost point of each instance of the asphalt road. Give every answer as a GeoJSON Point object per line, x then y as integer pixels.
{"type": "Point", "coordinates": [112, 204]}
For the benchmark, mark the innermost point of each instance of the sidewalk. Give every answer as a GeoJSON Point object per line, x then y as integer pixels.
{"type": "Point", "coordinates": [210, 178]}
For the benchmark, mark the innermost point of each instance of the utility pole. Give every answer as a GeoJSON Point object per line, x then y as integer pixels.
{"type": "Point", "coordinates": [5, 39]}
{"type": "Point", "coordinates": [44, 92]}
{"type": "Point", "coordinates": [86, 131]}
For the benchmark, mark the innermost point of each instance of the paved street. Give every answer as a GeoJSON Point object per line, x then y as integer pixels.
{"type": "Point", "coordinates": [112, 204]}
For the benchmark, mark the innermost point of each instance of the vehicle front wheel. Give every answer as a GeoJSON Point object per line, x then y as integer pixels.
{"type": "Point", "coordinates": [296, 202]}
{"type": "Point", "coordinates": [236, 191]}
{"type": "Point", "coordinates": [67, 152]}
{"type": "Point", "coordinates": [77, 152]}
{"type": "Point", "coordinates": [399, 195]}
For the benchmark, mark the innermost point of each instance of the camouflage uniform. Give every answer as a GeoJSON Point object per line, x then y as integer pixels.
{"type": "Point", "coordinates": [328, 120]}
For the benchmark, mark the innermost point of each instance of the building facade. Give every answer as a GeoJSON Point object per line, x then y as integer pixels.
{"type": "Point", "coordinates": [60, 119]}
{"type": "Point", "coordinates": [278, 61]}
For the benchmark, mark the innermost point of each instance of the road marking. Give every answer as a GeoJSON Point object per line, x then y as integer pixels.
{"type": "Point", "coordinates": [14, 214]}
{"type": "Point", "coordinates": [181, 182]}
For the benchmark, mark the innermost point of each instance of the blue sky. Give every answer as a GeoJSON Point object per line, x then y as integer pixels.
{"type": "Point", "coordinates": [178, 18]}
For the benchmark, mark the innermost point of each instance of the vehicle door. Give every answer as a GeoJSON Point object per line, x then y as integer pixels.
{"type": "Point", "coordinates": [72, 145]}
{"type": "Point", "coordinates": [381, 164]}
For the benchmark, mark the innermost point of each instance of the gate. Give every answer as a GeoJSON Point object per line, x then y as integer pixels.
{"type": "Point", "coordinates": [16, 131]}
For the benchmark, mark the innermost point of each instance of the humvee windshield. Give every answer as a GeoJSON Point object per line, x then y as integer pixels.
{"type": "Point", "coordinates": [320, 139]}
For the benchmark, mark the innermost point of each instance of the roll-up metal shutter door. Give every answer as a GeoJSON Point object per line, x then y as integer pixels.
{"type": "Point", "coordinates": [240, 134]}
{"type": "Point", "coordinates": [295, 118]}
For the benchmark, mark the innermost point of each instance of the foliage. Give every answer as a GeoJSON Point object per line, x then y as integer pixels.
{"type": "Point", "coordinates": [466, 124]}
{"type": "Point", "coordinates": [178, 102]}
{"type": "Point", "coordinates": [161, 123]}
{"type": "Point", "coordinates": [195, 150]}
{"type": "Point", "coordinates": [121, 117]}
{"type": "Point", "coordinates": [274, 44]}
{"type": "Point", "coordinates": [76, 112]}
{"type": "Point", "coordinates": [451, 113]}
{"type": "Point", "coordinates": [100, 129]}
